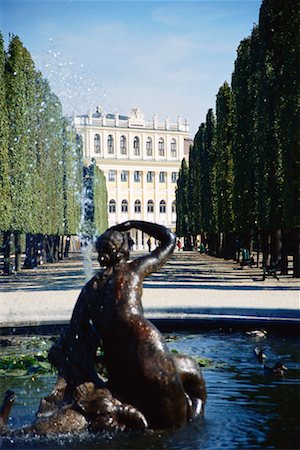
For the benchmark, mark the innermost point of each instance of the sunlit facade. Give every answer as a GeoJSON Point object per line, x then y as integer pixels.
{"type": "Point", "coordinates": [141, 161]}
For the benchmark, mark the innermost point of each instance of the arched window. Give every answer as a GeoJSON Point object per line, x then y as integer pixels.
{"type": "Point", "coordinates": [110, 145]}
{"type": "Point", "coordinates": [137, 206]}
{"type": "Point", "coordinates": [97, 143]}
{"type": "Point", "coordinates": [173, 207]}
{"type": "Point", "coordinates": [124, 206]}
{"type": "Point", "coordinates": [161, 147]}
{"type": "Point", "coordinates": [136, 146]}
{"type": "Point", "coordinates": [150, 206]}
{"type": "Point", "coordinates": [162, 206]}
{"type": "Point", "coordinates": [112, 206]}
{"type": "Point", "coordinates": [123, 145]}
{"type": "Point", "coordinates": [173, 148]}
{"type": "Point", "coordinates": [149, 146]}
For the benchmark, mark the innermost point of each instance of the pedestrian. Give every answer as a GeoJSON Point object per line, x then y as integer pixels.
{"type": "Point", "coordinates": [130, 243]}
{"type": "Point", "coordinates": [149, 243]}
{"type": "Point", "coordinates": [179, 245]}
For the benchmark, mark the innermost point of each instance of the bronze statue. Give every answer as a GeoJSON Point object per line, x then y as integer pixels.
{"type": "Point", "coordinates": [164, 390]}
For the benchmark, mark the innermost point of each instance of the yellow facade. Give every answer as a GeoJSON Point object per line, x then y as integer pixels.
{"type": "Point", "coordinates": [140, 160]}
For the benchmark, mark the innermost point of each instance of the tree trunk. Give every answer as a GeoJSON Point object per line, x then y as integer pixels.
{"type": "Point", "coordinates": [56, 248]}
{"type": "Point", "coordinates": [284, 252]}
{"type": "Point", "coordinates": [30, 258]}
{"type": "Point", "coordinates": [61, 244]}
{"type": "Point", "coordinates": [220, 245]}
{"type": "Point", "coordinates": [229, 245]}
{"type": "Point", "coordinates": [67, 246]}
{"type": "Point", "coordinates": [7, 269]}
{"type": "Point", "coordinates": [296, 252]}
{"type": "Point", "coordinates": [276, 246]}
{"type": "Point", "coordinates": [265, 247]}
{"type": "Point", "coordinates": [49, 249]}
{"type": "Point", "coordinates": [17, 251]}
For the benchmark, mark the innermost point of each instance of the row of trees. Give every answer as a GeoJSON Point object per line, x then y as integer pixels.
{"type": "Point", "coordinates": [242, 181]}
{"type": "Point", "coordinates": [41, 167]}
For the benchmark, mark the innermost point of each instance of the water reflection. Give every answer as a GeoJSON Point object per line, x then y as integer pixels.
{"type": "Point", "coordinates": [246, 409]}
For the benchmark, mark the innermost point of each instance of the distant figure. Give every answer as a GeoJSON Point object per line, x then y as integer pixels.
{"type": "Point", "coordinates": [179, 244]}
{"type": "Point", "coordinates": [130, 243]}
{"type": "Point", "coordinates": [149, 243]}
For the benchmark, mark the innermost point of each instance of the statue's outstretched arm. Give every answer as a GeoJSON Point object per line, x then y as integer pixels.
{"type": "Point", "coordinates": [154, 260]}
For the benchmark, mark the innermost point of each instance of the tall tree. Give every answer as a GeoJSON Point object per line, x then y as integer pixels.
{"type": "Point", "coordinates": [244, 156]}
{"type": "Point", "coordinates": [5, 198]}
{"type": "Point", "coordinates": [194, 189]}
{"type": "Point", "coordinates": [209, 187]}
{"type": "Point", "coordinates": [182, 207]}
{"type": "Point", "coordinates": [224, 168]}
{"type": "Point", "coordinates": [20, 94]}
{"type": "Point", "coordinates": [279, 24]}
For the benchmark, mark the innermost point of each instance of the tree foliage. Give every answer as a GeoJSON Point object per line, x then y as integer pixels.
{"type": "Point", "coordinates": [5, 198]}
{"type": "Point", "coordinates": [41, 169]}
{"type": "Point", "coordinates": [248, 162]}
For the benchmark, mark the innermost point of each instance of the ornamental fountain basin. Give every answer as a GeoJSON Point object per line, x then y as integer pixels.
{"type": "Point", "coordinates": [246, 408]}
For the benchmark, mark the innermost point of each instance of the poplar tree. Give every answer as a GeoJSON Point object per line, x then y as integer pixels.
{"type": "Point", "coordinates": [279, 24]}
{"type": "Point", "coordinates": [100, 201]}
{"type": "Point", "coordinates": [5, 193]}
{"type": "Point", "coordinates": [224, 168]}
{"type": "Point", "coordinates": [5, 198]}
{"type": "Point", "coordinates": [209, 187]}
{"type": "Point", "coordinates": [196, 169]}
{"type": "Point", "coordinates": [194, 192]}
{"type": "Point", "coordinates": [72, 179]}
{"type": "Point", "coordinates": [20, 98]}
{"type": "Point", "coordinates": [243, 146]}
{"type": "Point", "coordinates": [182, 206]}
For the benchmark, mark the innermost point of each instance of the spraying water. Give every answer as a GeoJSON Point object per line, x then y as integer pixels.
{"type": "Point", "coordinates": [87, 232]}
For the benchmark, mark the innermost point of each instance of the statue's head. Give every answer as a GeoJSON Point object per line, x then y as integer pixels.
{"type": "Point", "coordinates": [112, 247]}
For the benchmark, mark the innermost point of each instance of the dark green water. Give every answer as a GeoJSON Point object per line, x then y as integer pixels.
{"type": "Point", "coordinates": [246, 409]}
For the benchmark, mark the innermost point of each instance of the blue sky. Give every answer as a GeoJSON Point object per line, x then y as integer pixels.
{"type": "Point", "coordinates": [165, 57]}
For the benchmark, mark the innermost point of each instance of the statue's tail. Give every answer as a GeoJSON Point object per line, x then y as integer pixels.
{"type": "Point", "coordinates": [131, 417]}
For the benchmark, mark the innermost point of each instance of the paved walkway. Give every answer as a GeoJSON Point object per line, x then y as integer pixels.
{"type": "Point", "coordinates": [190, 287]}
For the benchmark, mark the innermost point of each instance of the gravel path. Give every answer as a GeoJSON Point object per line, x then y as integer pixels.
{"type": "Point", "coordinates": [189, 285]}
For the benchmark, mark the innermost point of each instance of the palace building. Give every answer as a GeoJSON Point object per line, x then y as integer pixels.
{"type": "Point", "coordinates": [140, 160]}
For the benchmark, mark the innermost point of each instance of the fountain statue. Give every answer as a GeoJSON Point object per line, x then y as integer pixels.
{"type": "Point", "coordinates": [147, 386]}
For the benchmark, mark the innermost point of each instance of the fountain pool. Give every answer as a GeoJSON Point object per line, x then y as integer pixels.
{"type": "Point", "coordinates": [246, 409]}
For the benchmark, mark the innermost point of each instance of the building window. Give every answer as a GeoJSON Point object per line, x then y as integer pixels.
{"type": "Point", "coordinates": [174, 177]}
{"type": "Point", "coordinates": [137, 176]}
{"type": "Point", "coordinates": [162, 177]}
{"type": "Point", "coordinates": [110, 145]}
{"type": "Point", "coordinates": [162, 206]}
{"type": "Point", "coordinates": [173, 148]}
{"type": "Point", "coordinates": [161, 147]}
{"type": "Point", "coordinates": [124, 206]}
{"type": "Point", "coordinates": [173, 207]}
{"type": "Point", "coordinates": [149, 146]}
{"type": "Point", "coordinates": [124, 175]}
{"type": "Point", "coordinates": [111, 175]}
{"type": "Point", "coordinates": [136, 146]}
{"type": "Point", "coordinates": [97, 143]}
{"type": "Point", "coordinates": [112, 206]}
{"type": "Point", "coordinates": [123, 146]}
{"type": "Point", "coordinates": [137, 206]}
{"type": "Point", "coordinates": [150, 206]}
{"type": "Point", "coordinates": [150, 177]}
